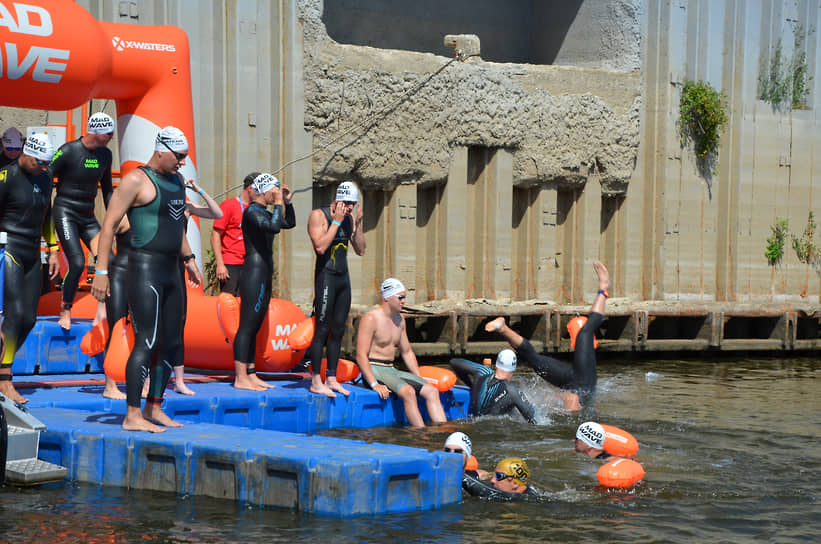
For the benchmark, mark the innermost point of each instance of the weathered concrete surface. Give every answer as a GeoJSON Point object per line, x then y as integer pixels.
{"type": "Point", "coordinates": [387, 117]}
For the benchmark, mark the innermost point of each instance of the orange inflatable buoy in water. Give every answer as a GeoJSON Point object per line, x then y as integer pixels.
{"type": "Point", "coordinates": [574, 326]}
{"type": "Point", "coordinates": [620, 473]}
{"type": "Point", "coordinates": [440, 378]}
{"type": "Point", "coordinates": [472, 464]}
{"type": "Point", "coordinates": [122, 340]}
{"type": "Point", "coordinates": [93, 341]}
{"type": "Point", "coordinates": [302, 335]}
{"type": "Point", "coordinates": [346, 370]}
{"type": "Point", "coordinates": [619, 442]}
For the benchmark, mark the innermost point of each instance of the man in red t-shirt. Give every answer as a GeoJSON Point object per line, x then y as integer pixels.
{"type": "Point", "coordinates": [226, 239]}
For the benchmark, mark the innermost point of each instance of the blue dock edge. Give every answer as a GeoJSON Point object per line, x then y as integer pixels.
{"type": "Point", "coordinates": [238, 445]}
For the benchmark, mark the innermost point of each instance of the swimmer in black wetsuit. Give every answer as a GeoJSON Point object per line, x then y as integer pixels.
{"type": "Point", "coordinates": [25, 205]}
{"type": "Point", "coordinates": [577, 379]}
{"type": "Point", "coordinates": [154, 198]}
{"type": "Point", "coordinates": [258, 229]}
{"type": "Point", "coordinates": [510, 482]}
{"type": "Point", "coordinates": [79, 166]}
{"type": "Point", "coordinates": [491, 392]}
{"type": "Point", "coordinates": [330, 230]}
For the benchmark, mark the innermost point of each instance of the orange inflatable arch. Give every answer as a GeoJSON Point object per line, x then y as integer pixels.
{"type": "Point", "coordinates": [55, 56]}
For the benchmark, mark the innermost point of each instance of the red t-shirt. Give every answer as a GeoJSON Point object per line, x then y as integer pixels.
{"type": "Point", "coordinates": [230, 226]}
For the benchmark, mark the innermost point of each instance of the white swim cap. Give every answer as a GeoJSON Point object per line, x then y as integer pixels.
{"type": "Point", "coordinates": [391, 287]}
{"type": "Point", "coordinates": [39, 147]}
{"type": "Point", "coordinates": [171, 139]}
{"type": "Point", "coordinates": [506, 360]}
{"type": "Point", "coordinates": [100, 123]}
{"type": "Point", "coordinates": [592, 434]}
{"type": "Point", "coordinates": [346, 192]}
{"type": "Point", "coordinates": [264, 183]}
{"type": "Point", "coordinates": [12, 139]}
{"type": "Point", "coordinates": [461, 441]}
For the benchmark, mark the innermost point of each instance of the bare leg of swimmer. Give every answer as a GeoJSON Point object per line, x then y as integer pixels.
{"type": "Point", "coordinates": [134, 421]}
{"type": "Point", "coordinates": [498, 325]}
{"type": "Point", "coordinates": [242, 380]}
{"type": "Point", "coordinates": [336, 386]}
{"type": "Point", "coordinates": [153, 412]}
{"type": "Point", "coordinates": [256, 379]}
{"type": "Point", "coordinates": [320, 388]}
{"type": "Point", "coordinates": [434, 404]}
{"type": "Point", "coordinates": [412, 413]}
{"type": "Point", "coordinates": [179, 381]}
{"type": "Point", "coordinates": [111, 390]}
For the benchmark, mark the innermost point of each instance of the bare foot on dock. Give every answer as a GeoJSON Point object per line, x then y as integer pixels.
{"type": "Point", "coordinates": [320, 388]}
{"type": "Point", "coordinates": [65, 320]}
{"type": "Point", "coordinates": [183, 389]}
{"type": "Point", "coordinates": [136, 422]}
{"type": "Point", "coordinates": [111, 390]}
{"type": "Point", "coordinates": [603, 274]}
{"type": "Point", "coordinates": [8, 390]}
{"type": "Point", "coordinates": [336, 386]}
{"type": "Point", "coordinates": [496, 325]}
{"type": "Point", "coordinates": [245, 382]}
{"type": "Point", "coordinates": [260, 382]}
{"type": "Point", "coordinates": [153, 412]}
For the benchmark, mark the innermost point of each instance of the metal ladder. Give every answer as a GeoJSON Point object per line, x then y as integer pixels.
{"type": "Point", "coordinates": [20, 434]}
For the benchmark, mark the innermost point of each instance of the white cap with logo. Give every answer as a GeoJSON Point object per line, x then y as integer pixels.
{"type": "Point", "coordinates": [460, 441]}
{"type": "Point", "coordinates": [171, 139]}
{"type": "Point", "coordinates": [264, 183]}
{"type": "Point", "coordinates": [346, 192]}
{"type": "Point", "coordinates": [506, 360]}
{"type": "Point", "coordinates": [39, 147]}
{"type": "Point", "coordinates": [100, 123]}
{"type": "Point", "coordinates": [592, 434]}
{"type": "Point", "coordinates": [391, 287]}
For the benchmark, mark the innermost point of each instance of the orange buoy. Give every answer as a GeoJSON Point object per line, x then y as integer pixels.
{"type": "Point", "coordinates": [93, 341]}
{"type": "Point", "coordinates": [472, 464]}
{"type": "Point", "coordinates": [302, 335]}
{"type": "Point", "coordinates": [574, 326]}
{"type": "Point", "coordinates": [441, 378]}
{"type": "Point", "coordinates": [619, 442]}
{"type": "Point", "coordinates": [346, 370]}
{"type": "Point", "coordinates": [122, 340]}
{"type": "Point", "coordinates": [620, 473]}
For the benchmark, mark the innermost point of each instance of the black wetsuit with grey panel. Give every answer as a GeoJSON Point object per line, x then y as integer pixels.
{"type": "Point", "coordinates": [490, 396]}
{"type": "Point", "coordinates": [332, 296]}
{"type": "Point", "coordinates": [78, 170]}
{"type": "Point", "coordinates": [25, 206]}
{"type": "Point", "coordinates": [154, 285]}
{"type": "Point", "coordinates": [258, 229]}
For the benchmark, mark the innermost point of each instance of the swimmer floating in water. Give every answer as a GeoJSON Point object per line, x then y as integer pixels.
{"type": "Point", "coordinates": [574, 379]}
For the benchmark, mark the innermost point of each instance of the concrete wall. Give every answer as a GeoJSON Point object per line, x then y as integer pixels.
{"type": "Point", "coordinates": [505, 180]}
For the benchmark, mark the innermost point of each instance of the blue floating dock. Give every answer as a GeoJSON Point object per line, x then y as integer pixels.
{"type": "Point", "coordinates": [316, 474]}
{"type": "Point", "coordinates": [240, 445]}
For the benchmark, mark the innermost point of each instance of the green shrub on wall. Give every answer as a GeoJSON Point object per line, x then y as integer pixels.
{"type": "Point", "coordinates": [783, 81]}
{"type": "Point", "coordinates": [775, 243]}
{"type": "Point", "coordinates": [702, 115]}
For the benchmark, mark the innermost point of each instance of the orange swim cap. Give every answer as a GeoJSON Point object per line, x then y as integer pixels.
{"type": "Point", "coordinates": [574, 326]}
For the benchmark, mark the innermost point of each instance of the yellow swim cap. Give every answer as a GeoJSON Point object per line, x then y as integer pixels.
{"type": "Point", "coordinates": [516, 468]}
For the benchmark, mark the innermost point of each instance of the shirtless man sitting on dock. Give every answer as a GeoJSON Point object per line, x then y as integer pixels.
{"type": "Point", "coordinates": [576, 379]}
{"type": "Point", "coordinates": [380, 332]}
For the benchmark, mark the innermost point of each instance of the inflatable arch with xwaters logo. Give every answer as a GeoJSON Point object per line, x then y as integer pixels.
{"type": "Point", "coordinates": [55, 56]}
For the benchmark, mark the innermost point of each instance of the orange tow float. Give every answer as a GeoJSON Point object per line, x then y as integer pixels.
{"type": "Point", "coordinates": [621, 472]}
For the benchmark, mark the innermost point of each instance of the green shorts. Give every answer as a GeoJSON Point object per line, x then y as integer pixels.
{"type": "Point", "coordinates": [396, 379]}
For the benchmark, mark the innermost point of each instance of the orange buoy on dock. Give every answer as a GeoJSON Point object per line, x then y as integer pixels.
{"type": "Point", "coordinates": [441, 378]}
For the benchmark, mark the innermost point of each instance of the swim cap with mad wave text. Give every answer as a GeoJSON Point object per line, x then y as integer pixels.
{"type": "Point", "coordinates": [100, 123]}
{"type": "Point", "coordinates": [346, 192]}
{"type": "Point", "coordinates": [264, 183]}
{"type": "Point", "coordinates": [171, 138]}
{"type": "Point", "coordinates": [39, 147]}
{"type": "Point", "coordinates": [460, 441]}
{"type": "Point", "coordinates": [516, 468]}
{"type": "Point", "coordinates": [391, 287]}
{"type": "Point", "coordinates": [592, 434]}
{"type": "Point", "coordinates": [506, 360]}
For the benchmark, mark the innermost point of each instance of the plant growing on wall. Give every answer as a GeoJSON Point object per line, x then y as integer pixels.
{"type": "Point", "coordinates": [775, 243]}
{"type": "Point", "coordinates": [783, 81]}
{"type": "Point", "coordinates": [702, 114]}
{"type": "Point", "coordinates": [209, 273]}
{"type": "Point", "coordinates": [805, 248]}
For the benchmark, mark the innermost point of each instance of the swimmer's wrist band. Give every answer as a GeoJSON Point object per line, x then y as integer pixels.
{"type": "Point", "coordinates": [101, 272]}
{"type": "Point", "coordinates": [374, 384]}
{"type": "Point", "coordinates": [188, 258]}
{"type": "Point", "coordinates": [337, 223]}
{"type": "Point", "coordinates": [605, 293]}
